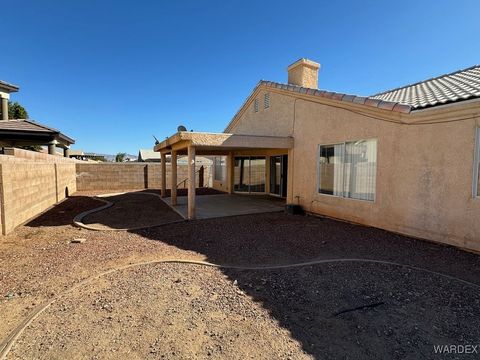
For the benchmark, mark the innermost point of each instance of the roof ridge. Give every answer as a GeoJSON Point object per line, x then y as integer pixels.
{"type": "Point", "coordinates": [426, 80]}
{"type": "Point", "coordinates": [33, 122]}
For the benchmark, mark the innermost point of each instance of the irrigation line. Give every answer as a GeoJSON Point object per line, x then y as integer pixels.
{"type": "Point", "coordinates": [7, 344]}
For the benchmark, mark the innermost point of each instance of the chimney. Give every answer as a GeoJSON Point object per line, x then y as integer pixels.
{"type": "Point", "coordinates": [304, 73]}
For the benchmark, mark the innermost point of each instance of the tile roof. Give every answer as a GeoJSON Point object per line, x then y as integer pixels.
{"type": "Point", "coordinates": [459, 85]}
{"type": "Point", "coordinates": [363, 100]}
{"type": "Point", "coordinates": [148, 154]}
{"type": "Point", "coordinates": [26, 125]}
{"type": "Point", "coordinates": [8, 86]}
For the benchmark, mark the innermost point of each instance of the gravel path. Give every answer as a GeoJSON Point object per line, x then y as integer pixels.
{"type": "Point", "coordinates": [293, 308]}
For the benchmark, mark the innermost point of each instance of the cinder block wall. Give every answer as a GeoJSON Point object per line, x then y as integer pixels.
{"type": "Point", "coordinates": [32, 182]}
{"type": "Point", "coordinates": [124, 176]}
{"type": "Point", "coordinates": [29, 187]}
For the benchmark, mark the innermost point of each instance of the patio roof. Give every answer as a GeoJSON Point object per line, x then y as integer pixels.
{"type": "Point", "coordinates": [210, 142]}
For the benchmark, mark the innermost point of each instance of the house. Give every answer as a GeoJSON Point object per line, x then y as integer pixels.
{"type": "Point", "coordinates": [86, 156]}
{"type": "Point", "coordinates": [148, 155]}
{"type": "Point", "coordinates": [405, 160]}
{"type": "Point", "coordinates": [26, 132]}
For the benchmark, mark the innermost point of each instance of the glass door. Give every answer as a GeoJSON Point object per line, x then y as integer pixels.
{"type": "Point", "coordinates": [278, 175]}
{"type": "Point", "coordinates": [249, 174]}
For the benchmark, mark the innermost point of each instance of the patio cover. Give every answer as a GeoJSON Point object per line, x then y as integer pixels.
{"type": "Point", "coordinates": [203, 143]}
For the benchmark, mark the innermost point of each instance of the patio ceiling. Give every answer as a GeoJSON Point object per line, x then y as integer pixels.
{"type": "Point", "coordinates": [211, 143]}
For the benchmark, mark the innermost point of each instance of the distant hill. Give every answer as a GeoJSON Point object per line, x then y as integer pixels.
{"type": "Point", "coordinates": [111, 158]}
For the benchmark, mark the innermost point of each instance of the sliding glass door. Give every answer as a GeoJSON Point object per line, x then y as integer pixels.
{"type": "Point", "coordinates": [249, 174]}
{"type": "Point", "coordinates": [278, 175]}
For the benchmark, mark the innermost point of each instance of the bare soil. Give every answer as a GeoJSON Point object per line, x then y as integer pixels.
{"type": "Point", "coordinates": [132, 210]}
{"type": "Point", "coordinates": [336, 310]}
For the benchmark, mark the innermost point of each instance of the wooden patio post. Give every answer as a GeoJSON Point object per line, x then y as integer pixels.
{"type": "Point", "coordinates": [230, 175]}
{"type": "Point", "coordinates": [174, 177]}
{"type": "Point", "coordinates": [163, 163]}
{"type": "Point", "coordinates": [191, 182]}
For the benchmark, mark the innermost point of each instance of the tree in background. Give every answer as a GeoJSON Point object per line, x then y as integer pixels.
{"type": "Point", "coordinates": [16, 111]}
{"type": "Point", "coordinates": [120, 157]}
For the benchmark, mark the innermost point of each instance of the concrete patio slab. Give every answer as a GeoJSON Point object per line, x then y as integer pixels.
{"type": "Point", "coordinates": [214, 206]}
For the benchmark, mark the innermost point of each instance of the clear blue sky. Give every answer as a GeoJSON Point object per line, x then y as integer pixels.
{"type": "Point", "coordinates": [112, 73]}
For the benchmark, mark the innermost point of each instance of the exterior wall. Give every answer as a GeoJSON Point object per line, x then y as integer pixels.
{"type": "Point", "coordinates": [28, 188]}
{"type": "Point", "coordinates": [424, 174]}
{"type": "Point", "coordinates": [277, 120]}
{"type": "Point", "coordinates": [36, 156]}
{"type": "Point", "coordinates": [122, 176]}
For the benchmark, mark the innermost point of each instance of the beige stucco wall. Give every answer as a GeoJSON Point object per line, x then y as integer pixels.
{"type": "Point", "coordinates": [424, 172]}
{"type": "Point", "coordinates": [121, 176]}
{"type": "Point", "coordinates": [277, 120]}
{"type": "Point", "coordinates": [28, 188]}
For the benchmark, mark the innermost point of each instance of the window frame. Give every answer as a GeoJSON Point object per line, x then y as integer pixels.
{"type": "Point", "coordinates": [476, 164]}
{"type": "Point", "coordinates": [222, 173]}
{"type": "Point", "coordinates": [256, 106]}
{"type": "Point", "coordinates": [318, 182]}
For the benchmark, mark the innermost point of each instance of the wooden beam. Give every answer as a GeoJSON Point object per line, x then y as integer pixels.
{"type": "Point", "coordinates": [163, 159]}
{"type": "Point", "coordinates": [230, 168]}
{"type": "Point", "coordinates": [173, 161]}
{"type": "Point", "coordinates": [191, 182]}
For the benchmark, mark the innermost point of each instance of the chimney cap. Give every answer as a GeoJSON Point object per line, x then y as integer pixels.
{"type": "Point", "coordinates": [305, 62]}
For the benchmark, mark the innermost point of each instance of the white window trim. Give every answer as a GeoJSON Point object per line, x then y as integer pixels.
{"type": "Point", "coordinates": [343, 197]}
{"type": "Point", "coordinates": [476, 160]}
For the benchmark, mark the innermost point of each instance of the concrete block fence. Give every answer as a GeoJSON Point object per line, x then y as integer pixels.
{"type": "Point", "coordinates": [30, 182]}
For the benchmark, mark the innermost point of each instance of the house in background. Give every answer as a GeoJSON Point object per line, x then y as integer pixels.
{"type": "Point", "coordinates": [26, 132]}
{"type": "Point", "coordinates": [86, 156]}
{"type": "Point", "coordinates": [148, 155]}
{"type": "Point", "coordinates": [405, 160]}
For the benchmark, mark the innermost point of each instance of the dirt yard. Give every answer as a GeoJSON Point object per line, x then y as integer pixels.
{"type": "Point", "coordinates": [372, 294]}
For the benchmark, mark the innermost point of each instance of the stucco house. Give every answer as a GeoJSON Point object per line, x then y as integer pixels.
{"type": "Point", "coordinates": [404, 160]}
{"type": "Point", "coordinates": [27, 132]}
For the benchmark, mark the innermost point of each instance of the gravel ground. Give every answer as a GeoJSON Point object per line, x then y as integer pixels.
{"type": "Point", "coordinates": [132, 210]}
{"type": "Point", "coordinates": [182, 311]}
{"type": "Point", "coordinates": [294, 310]}
{"type": "Point", "coordinates": [176, 311]}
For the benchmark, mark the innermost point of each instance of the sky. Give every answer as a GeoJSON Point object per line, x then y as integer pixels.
{"type": "Point", "coordinates": [111, 74]}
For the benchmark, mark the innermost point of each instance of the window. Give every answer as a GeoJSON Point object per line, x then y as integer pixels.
{"type": "Point", "coordinates": [476, 166]}
{"type": "Point", "coordinates": [255, 105]}
{"type": "Point", "coordinates": [220, 168]}
{"type": "Point", "coordinates": [266, 101]}
{"type": "Point", "coordinates": [348, 169]}
{"type": "Point", "coordinates": [249, 174]}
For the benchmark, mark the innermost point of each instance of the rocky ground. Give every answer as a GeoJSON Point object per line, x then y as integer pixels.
{"type": "Point", "coordinates": [357, 310]}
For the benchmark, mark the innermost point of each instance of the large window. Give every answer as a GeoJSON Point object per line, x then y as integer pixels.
{"type": "Point", "coordinates": [220, 168]}
{"type": "Point", "coordinates": [348, 169]}
{"type": "Point", "coordinates": [476, 169]}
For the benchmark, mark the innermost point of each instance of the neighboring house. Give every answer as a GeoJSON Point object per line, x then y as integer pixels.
{"type": "Point", "coordinates": [405, 160]}
{"type": "Point", "coordinates": [148, 155]}
{"type": "Point", "coordinates": [26, 132]}
{"type": "Point", "coordinates": [85, 156]}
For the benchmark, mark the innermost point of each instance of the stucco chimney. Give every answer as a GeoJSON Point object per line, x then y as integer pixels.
{"type": "Point", "coordinates": [304, 73]}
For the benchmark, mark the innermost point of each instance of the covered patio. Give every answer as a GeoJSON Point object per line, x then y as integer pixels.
{"type": "Point", "coordinates": [221, 205]}
{"type": "Point", "coordinates": [232, 146]}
